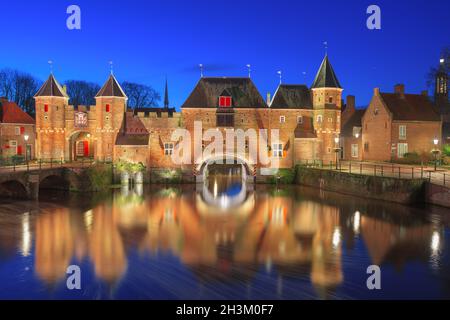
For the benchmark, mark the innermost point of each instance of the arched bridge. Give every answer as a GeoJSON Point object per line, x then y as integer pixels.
{"type": "Point", "coordinates": [25, 184]}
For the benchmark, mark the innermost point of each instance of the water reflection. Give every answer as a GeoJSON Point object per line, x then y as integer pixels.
{"type": "Point", "coordinates": [173, 242]}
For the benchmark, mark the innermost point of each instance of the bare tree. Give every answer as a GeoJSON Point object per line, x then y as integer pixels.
{"type": "Point", "coordinates": [431, 77]}
{"type": "Point", "coordinates": [81, 92]}
{"type": "Point", "coordinates": [19, 87]}
{"type": "Point", "coordinates": [140, 95]}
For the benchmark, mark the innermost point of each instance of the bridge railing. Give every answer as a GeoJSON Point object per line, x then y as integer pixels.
{"type": "Point", "coordinates": [438, 176]}
{"type": "Point", "coordinates": [40, 164]}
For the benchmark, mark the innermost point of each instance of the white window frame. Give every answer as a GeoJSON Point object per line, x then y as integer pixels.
{"type": "Point", "coordinates": [402, 132]}
{"type": "Point", "coordinates": [168, 148]}
{"type": "Point", "coordinates": [13, 144]}
{"type": "Point", "coordinates": [402, 149]}
{"type": "Point", "coordinates": [282, 119]}
{"type": "Point", "coordinates": [355, 150]}
{"type": "Point", "coordinates": [299, 119]}
{"type": "Point", "coordinates": [17, 131]}
{"type": "Point", "coordinates": [277, 150]}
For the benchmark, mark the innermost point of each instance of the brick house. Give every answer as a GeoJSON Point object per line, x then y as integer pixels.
{"type": "Point", "coordinates": [351, 132]}
{"type": "Point", "coordinates": [398, 123]}
{"type": "Point", "coordinates": [17, 131]}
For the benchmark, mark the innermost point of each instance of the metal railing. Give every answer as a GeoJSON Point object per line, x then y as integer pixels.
{"type": "Point", "coordinates": [440, 176]}
{"type": "Point", "coordinates": [51, 163]}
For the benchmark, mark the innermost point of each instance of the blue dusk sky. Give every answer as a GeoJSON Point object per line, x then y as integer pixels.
{"type": "Point", "coordinates": [149, 40]}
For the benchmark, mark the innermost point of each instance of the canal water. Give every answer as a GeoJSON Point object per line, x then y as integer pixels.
{"type": "Point", "coordinates": [223, 240]}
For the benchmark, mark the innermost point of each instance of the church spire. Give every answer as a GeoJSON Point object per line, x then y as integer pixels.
{"type": "Point", "coordinates": [166, 96]}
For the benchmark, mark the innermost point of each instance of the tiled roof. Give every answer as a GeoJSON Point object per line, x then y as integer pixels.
{"type": "Point", "coordinates": [410, 107]}
{"type": "Point", "coordinates": [326, 78]}
{"type": "Point", "coordinates": [291, 97]}
{"type": "Point", "coordinates": [51, 88]}
{"type": "Point", "coordinates": [11, 113]}
{"type": "Point", "coordinates": [208, 90]}
{"type": "Point", "coordinates": [132, 139]}
{"type": "Point", "coordinates": [111, 88]}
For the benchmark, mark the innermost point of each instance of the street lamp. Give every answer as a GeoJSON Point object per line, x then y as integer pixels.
{"type": "Point", "coordinates": [435, 152]}
{"type": "Point", "coordinates": [26, 137]}
{"type": "Point", "coordinates": [336, 150]}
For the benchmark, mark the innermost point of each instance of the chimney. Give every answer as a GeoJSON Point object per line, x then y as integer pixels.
{"type": "Point", "coordinates": [268, 99]}
{"type": "Point", "coordinates": [376, 91]}
{"type": "Point", "coordinates": [350, 103]}
{"type": "Point", "coordinates": [399, 89]}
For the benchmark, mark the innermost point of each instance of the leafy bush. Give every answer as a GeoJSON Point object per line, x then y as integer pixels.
{"type": "Point", "coordinates": [125, 166]}
{"type": "Point", "coordinates": [446, 150]}
{"type": "Point", "coordinates": [100, 177]}
{"type": "Point", "coordinates": [415, 158]}
{"type": "Point", "coordinates": [284, 176]}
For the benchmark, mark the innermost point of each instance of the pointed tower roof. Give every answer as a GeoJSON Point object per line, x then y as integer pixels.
{"type": "Point", "coordinates": [111, 88]}
{"type": "Point", "coordinates": [326, 78]}
{"type": "Point", "coordinates": [166, 96]}
{"type": "Point", "coordinates": [51, 88]}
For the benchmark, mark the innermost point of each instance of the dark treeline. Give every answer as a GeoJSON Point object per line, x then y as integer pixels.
{"type": "Point", "coordinates": [21, 87]}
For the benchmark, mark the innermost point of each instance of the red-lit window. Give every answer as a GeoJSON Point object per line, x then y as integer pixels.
{"type": "Point", "coordinates": [108, 108]}
{"type": "Point", "coordinates": [22, 130]}
{"type": "Point", "coordinates": [46, 108]}
{"type": "Point", "coordinates": [19, 150]}
{"type": "Point", "coordinates": [224, 101]}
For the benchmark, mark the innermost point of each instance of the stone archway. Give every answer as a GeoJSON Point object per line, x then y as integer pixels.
{"type": "Point", "coordinates": [202, 168]}
{"type": "Point", "coordinates": [80, 146]}
{"type": "Point", "coordinates": [13, 189]}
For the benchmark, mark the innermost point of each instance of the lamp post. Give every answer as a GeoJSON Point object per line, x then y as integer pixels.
{"type": "Point", "coordinates": [26, 137]}
{"type": "Point", "coordinates": [435, 152]}
{"type": "Point", "coordinates": [336, 150]}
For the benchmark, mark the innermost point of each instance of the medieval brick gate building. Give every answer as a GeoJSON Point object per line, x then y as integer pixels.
{"type": "Point", "coordinates": [308, 120]}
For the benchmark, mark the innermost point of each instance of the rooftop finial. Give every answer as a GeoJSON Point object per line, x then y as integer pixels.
{"type": "Point", "coordinates": [280, 74]}
{"type": "Point", "coordinates": [325, 43]}
{"type": "Point", "coordinates": [111, 66]}
{"type": "Point", "coordinates": [201, 70]}
{"type": "Point", "coordinates": [50, 63]}
{"type": "Point", "coordinates": [249, 68]}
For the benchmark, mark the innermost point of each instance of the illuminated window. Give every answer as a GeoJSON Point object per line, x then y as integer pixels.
{"type": "Point", "coordinates": [299, 119]}
{"type": "Point", "coordinates": [107, 108]}
{"type": "Point", "coordinates": [277, 150]}
{"type": "Point", "coordinates": [282, 119]}
{"type": "Point", "coordinates": [355, 151]}
{"type": "Point", "coordinates": [224, 102]}
{"type": "Point", "coordinates": [168, 149]}
{"type": "Point", "coordinates": [402, 132]}
{"type": "Point", "coordinates": [22, 130]}
{"type": "Point", "coordinates": [13, 146]}
{"type": "Point", "coordinates": [402, 149]}
{"type": "Point", "coordinates": [46, 108]}
{"type": "Point", "coordinates": [319, 119]}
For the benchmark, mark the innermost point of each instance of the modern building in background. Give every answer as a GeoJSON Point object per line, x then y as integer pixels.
{"type": "Point", "coordinates": [17, 132]}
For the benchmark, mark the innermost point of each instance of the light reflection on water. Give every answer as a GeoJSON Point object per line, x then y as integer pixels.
{"type": "Point", "coordinates": [176, 243]}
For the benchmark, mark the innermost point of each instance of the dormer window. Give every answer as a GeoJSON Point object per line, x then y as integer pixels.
{"type": "Point", "coordinates": [224, 101]}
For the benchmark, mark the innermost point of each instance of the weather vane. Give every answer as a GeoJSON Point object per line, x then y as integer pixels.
{"type": "Point", "coordinates": [249, 67]}
{"type": "Point", "coordinates": [50, 63]}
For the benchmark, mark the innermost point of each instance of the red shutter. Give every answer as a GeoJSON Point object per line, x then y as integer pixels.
{"type": "Point", "coordinates": [22, 130]}
{"type": "Point", "coordinates": [107, 108]}
{"type": "Point", "coordinates": [19, 150]}
{"type": "Point", "coordinates": [221, 101]}
{"type": "Point", "coordinates": [46, 108]}
{"type": "Point", "coordinates": [228, 100]}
